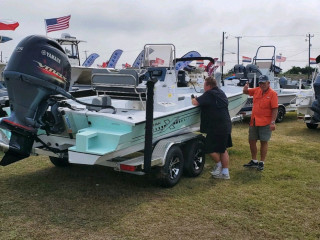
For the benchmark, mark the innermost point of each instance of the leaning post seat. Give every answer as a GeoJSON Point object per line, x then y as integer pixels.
{"type": "Point", "coordinates": [118, 85]}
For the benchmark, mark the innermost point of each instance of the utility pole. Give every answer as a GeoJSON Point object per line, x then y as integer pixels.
{"type": "Point", "coordinates": [222, 55]}
{"type": "Point", "coordinates": [309, 36]}
{"type": "Point", "coordinates": [238, 38]}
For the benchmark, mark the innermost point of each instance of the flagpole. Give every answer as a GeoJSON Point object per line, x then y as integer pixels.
{"type": "Point", "coordinates": [280, 59]}
{"type": "Point", "coordinates": [45, 26]}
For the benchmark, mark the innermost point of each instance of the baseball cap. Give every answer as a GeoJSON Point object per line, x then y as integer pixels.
{"type": "Point", "coordinates": [263, 78]}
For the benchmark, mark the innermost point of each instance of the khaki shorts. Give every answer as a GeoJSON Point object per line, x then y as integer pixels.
{"type": "Point", "coordinates": [262, 133]}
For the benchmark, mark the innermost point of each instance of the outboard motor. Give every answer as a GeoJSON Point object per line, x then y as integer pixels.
{"type": "Point", "coordinates": [37, 69]}
{"type": "Point", "coordinates": [283, 82]}
{"type": "Point", "coordinates": [316, 103]}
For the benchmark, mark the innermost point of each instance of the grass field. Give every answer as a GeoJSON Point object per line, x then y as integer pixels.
{"type": "Point", "coordinates": [40, 201]}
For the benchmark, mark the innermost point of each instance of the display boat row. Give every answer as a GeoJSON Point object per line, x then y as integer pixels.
{"type": "Point", "coordinates": [131, 108]}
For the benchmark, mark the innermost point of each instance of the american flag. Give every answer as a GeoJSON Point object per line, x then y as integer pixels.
{"type": "Point", "coordinates": [56, 24]}
{"type": "Point", "coordinates": [280, 59]}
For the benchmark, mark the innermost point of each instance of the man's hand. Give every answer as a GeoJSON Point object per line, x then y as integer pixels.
{"type": "Point", "coordinates": [272, 126]}
{"type": "Point", "coordinates": [194, 101]}
{"type": "Point", "coordinates": [245, 88]}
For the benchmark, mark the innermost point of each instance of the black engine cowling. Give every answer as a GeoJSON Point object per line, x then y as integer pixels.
{"type": "Point", "coordinates": [37, 69]}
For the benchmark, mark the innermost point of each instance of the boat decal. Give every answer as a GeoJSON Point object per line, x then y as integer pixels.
{"type": "Point", "coordinates": [50, 71]}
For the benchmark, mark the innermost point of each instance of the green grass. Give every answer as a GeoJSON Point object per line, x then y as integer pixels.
{"type": "Point", "coordinates": [40, 201]}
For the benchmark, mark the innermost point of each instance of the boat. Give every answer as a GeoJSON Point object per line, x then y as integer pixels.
{"type": "Point", "coordinates": [130, 105]}
{"type": "Point", "coordinates": [263, 66]}
{"type": "Point", "coordinates": [308, 102]}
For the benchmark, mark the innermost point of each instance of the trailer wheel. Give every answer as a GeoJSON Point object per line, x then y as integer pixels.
{"type": "Point", "coordinates": [311, 125]}
{"type": "Point", "coordinates": [281, 113]}
{"type": "Point", "coordinates": [60, 162]}
{"type": "Point", "coordinates": [194, 158]}
{"type": "Point", "coordinates": [171, 172]}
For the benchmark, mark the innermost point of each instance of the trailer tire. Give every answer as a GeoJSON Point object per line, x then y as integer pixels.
{"type": "Point", "coordinates": [194, 158]}
{"type": "Point", "coordinates": [311, 125]}
{"type": "Point", "coordinates": [281, 113]}
{"type": "Point", "coordinates": [171, 172]}
{"type": "Point", "coordinates": [60, 162]}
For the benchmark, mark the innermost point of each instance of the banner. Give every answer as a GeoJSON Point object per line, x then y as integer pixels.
{"type": "Point", "coordinates": [90, 60]}
{"type": "Point", "coordinates": [4, 39]}
{"type": "Point", "coordinates": [181, 65]}
{"type": "Point", "coordinates": [137, 63]}
{"type": "Point", "coordinates": [114, 58]}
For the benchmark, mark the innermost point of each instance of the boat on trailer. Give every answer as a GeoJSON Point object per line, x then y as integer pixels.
{"type": "Point", "coordinates": [134, 110]}
{"type": "Point", "coordinates": [263, 66]}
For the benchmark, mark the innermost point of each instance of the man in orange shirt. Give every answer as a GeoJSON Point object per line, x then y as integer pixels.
{"type": "Point", "coordinates": [263, 117]}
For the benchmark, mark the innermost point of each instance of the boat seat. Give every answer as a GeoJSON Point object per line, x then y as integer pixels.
{"type": "Point", "coordinates": [121, 85]}
{"type": "Point", "coordinates": [264, 65]}
{"type": "Point", "coordinates": [102, 101]}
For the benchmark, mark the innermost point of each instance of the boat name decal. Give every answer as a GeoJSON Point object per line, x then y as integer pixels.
{"type": "Point", "coordinates": [51, 56]}
{"type": "Point", "coordinates": [50, 71]}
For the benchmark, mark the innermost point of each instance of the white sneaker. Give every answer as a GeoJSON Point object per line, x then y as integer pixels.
{"type": "Point", "coordinates": [222, 176]}
{"type": "Point", "coordinates": [216, 170]}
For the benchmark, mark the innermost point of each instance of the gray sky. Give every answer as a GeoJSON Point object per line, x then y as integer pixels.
{"type": "Point", "coordinates": [188, 24]}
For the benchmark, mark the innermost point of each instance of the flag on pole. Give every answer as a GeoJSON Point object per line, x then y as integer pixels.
{"type": "Point", "coordinates": [219, 63]}
{"type": "Point", "coordinates": [56, 24]}
{"type": "Point", "coordinates": [127, 65]}
{"type": "Point", "coordinates": [280, 59]}
{"type": "Point", "coordinates": [246, 59]}
{"type": "Point", "coordinates": [8, 25]}
{"type": "Point", "coordinates": [313, 61]}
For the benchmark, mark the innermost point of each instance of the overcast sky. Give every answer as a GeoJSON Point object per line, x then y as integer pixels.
{"type": "Point", "coordinates": [198, 25]}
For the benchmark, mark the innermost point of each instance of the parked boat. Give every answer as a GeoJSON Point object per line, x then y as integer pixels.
{"type": "Point", "coordinates": [308, 102]}
{"type": "Point", "coordinates": [98, 129]}
{"type": "Point", "coordinates": [251, 72]}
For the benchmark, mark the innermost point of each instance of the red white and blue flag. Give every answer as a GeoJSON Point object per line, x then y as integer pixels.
{"type": "Point", "coordinates": [246, 59]}
{"type": "Point", "coordinates": [199, 62]}
{"type": "Point", "coordinates": [313, 61]}
{"type": "Point", "coordinates": [8, 25]}
{"type": "Point", "coordinates": [280, 59]}
{"type": "Point", "coordinates": [56, 24]}
{"type": "Point", "coordinates": [219, 63]}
